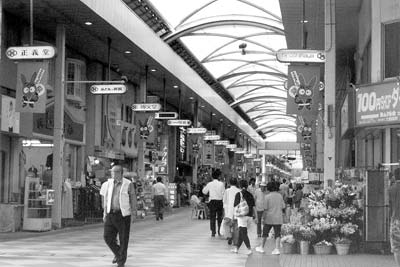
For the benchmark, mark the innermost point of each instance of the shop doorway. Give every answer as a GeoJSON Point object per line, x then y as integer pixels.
{"type": "Point", "coordinates": [3, 187]}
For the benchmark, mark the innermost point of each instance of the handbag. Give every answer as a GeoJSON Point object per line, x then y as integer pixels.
{"type": "Point", "coordinates": [242, 209]}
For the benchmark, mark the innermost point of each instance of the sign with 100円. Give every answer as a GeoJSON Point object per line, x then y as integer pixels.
{"type": "Point", "coordinates": [105, 89]}
{"type": "Point", "coordinates": [378, 104]}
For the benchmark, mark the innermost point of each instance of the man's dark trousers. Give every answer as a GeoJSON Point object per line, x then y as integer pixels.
{"type": "Point", "coordinates": [117, 224]}
{"type": "Point", "coordinates": [216, 210]}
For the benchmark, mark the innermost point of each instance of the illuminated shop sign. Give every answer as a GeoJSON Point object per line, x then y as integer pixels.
{"type": "Point", "coordinates": [182, 143]}
{"type": "Point", "coordinates": [378, 104]}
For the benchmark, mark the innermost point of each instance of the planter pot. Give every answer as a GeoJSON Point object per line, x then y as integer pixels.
{"type": "Point", "coordinates": [304, 247]}
{"type": "Point", "coordinates": [287, 248]}
{"type": "Point", "coordinates": [322, 249]}
{"type": "Point", "coordinates": [342, 249]}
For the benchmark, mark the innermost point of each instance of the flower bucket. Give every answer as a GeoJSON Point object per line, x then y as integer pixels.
{"type": "Point", "coordinates": [304, 247]}
{"type": "Point", "coordinates": [287, 248]}
{"type": "Point", "coordinates": [342, 249]}
{"type": "Point", "coordinates": [322, 249]}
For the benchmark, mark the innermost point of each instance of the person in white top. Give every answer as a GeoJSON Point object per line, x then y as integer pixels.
{"type": "Point", "coordinates": [160, 196]}
{"type": "Point", "coordinates": [216, 190]}
{"type": "Point", "coordinates": [259, 199]}
{"type": "Point", "coordinates": [229, 199]}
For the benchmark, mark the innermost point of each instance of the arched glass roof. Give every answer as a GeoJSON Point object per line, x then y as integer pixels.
{"type": "Point", "coordinates": [236, 41]}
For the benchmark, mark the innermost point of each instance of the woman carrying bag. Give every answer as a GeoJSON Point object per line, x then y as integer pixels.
{"type": "Point", "coordinates": [244, 212]}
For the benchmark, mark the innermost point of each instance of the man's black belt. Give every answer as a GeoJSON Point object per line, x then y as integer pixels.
{"type": "Point", "coordinates": [115, 211]}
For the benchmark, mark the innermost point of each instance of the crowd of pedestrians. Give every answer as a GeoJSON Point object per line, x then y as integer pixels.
{"type": "Point", "coordinates": [239, 204]}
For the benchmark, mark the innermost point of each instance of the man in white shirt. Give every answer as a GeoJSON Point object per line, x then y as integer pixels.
{"type": "Point", "coordinates": [229, 199]}
{"type": "Point", "coordinates": [216, 190]}
{"type": "Point", "coordinates": [160, 196]}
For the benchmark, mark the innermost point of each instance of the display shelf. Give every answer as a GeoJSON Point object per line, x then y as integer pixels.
{"type": "Point", "coordinates": [37, 215]}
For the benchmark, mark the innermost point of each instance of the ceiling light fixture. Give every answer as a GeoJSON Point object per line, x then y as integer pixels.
{"type": "Point", "coordinates": [191, 97]}
{"type": "Point", "coordinates": [88, 23]}
{"type": "Point", "coordinates": [153, 70]}
{"type": "Point", "coordinates": [128, 52]}
{"type": "Point", "coordinates": [175, 86]}
{"type": "Point", "coordinates": [243, 47]}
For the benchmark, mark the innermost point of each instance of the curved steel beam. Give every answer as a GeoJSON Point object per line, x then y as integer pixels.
{"type": "Point", "coordinates": [258, 88]}
{"type": "Point", "coordinates": [261, 116]}
{"type": "Point", "coordinates": [248, 52]}
{"type": "Point", "coordinates": [226, 77]}
{"type": "Point", "coordinates": [235, 39]}
{"type": "Point", "coordinates": [195, 12]}
{"type": "Point", "coordinates": [262, 9]}
{"type": "Point", "coordinates": [247, 62]}
{"type": "Point", "coordinates": [253, 80]}
{"type": "Point", "coordinates": [223, 22]}
{"type": "Point", "coordinates": [258, 106]}
{"type": "Point", "coordinates": [266, 111]}
{"type": "Point", "coordinates": [288, 126]}
{"type": "Point", "coordinates": [254, 99]}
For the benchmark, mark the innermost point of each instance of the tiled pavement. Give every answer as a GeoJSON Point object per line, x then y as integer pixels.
{"type": "Point", "coordinates": [175, 242]}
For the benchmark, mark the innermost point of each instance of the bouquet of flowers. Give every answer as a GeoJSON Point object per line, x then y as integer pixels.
{"type": "Point", "coordinates": [348, 229]}
{"type": "Point", "coordinates": [288, 239]}
{"type": "Point", "coordinates": [324, 243]}
{"type": "Point", "coordinates": [289, 228]}
{"type": "Point", "coordinates": [304, 233]}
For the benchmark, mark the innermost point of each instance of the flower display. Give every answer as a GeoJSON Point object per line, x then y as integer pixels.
{"type": "Point", "coordinates": [341, 240]}
{"type": "Point", "coordinates": [324, 243]}
{"type": "Point", "coordinates": [304, 233]}
{"type": "Point", "coordinates": [348, 229]}
{"type": "Point", "coordinates": [288, 239]}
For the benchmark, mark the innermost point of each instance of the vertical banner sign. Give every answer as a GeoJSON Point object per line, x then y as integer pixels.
{"type": "Point", "coordinates": [163, 166]}
{"type": "Point", "coordinates": [219, 154]}
{"type": "Point", "coordinates": [306, 130]}
{"type": "Point", "coordinates": [9, 118]}
{"type": "Point", "coordinates": [32, 80]}
{"type": "Point", "coordinates": [146, 130]}
{"type": "Point", "coordinates": [113, 119]}
{"type": "Point", "coordinates": [182, 146]}
{"type": "Point", "coordinates": [303, 96]}
{"type": "Point", "coordinates": [208, 153]}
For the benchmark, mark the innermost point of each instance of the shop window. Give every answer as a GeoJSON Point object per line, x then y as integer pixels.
{"type": "Point", "coordinates": [75, 71]}
{"type": "Point", "coordinates": [392, 50]}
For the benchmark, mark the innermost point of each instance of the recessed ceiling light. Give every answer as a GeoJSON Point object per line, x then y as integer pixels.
{"type": "Point", "coordinates": [128, 52]}
{"type": "Point", "coordinates": [153, 70]}
{"type": "Point", "coordinates": [191, 97]}
{"type": "Point", "coordinates": [304, 21]}
{"type": "Point", "coordinates": [88, 23]}
{"type": "Point", "coordinates": [214, 114]}
{"type": "Point", "coordinates": [202, 106]}
{"type": "Point", "coordinates": [175, 86]}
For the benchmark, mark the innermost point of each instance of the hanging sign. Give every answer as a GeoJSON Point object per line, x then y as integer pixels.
{"type": "Point", "coordinates": [50, 196]}
{"type": "Point", "coordinates": [179, 122]}
{"type": "Point", "coordinates": [231, 146]}
{"type": "Point", "coordinates": [208, 153]}
{"type": "Point", "coordinates": [106, 89]}
{"type": "Point", "coordinates": [30, 52]}
{"type": "Point", "coordinates": [166, 115]}
{"type": "Point", "coordinates": [10, 119]}
{"type": "Point", "coordinates": [378, 104]}
{"type": "Point", "coordinates": [32, 79]}
{"type": "Point", "coordinates": [303, 97]}
{"type": "Point", "coordinates": [146, 107]}
{"type": "Point", "coordinates": [221, 142]}
{"type": "Point", "coordinates": [212, 137]}
{"type": "Point", "coordinates": [305, 56]}
{"type": "Point", "coordinates": [196, 130]}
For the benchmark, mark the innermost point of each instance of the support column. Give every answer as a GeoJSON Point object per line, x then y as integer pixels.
{"type": "Point", "coordinates": [330, 94]}
{"type": "Point", "coordinates": [58, 149]}
{"type": "Point", "coordinates": [387, 148]}
{"type": "Point", "coordinates": [263, 169]}
{"type": "Point", "coordinates": [142, 142]}
{"type": "Point", "coordinates": [195, 125]}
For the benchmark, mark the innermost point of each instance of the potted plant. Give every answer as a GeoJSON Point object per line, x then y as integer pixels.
{"type": "Point", "coordinates": [323, 247]}
{"type": "Point", "coordinates": [304, 234]}
{"type": "Point", "coordinates": [287, 244]}
{"type": "Point", "coordinates": [343, 239]}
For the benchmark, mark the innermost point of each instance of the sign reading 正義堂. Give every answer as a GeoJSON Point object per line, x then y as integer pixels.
{"type": "Point", "coordinates": [378, 104]}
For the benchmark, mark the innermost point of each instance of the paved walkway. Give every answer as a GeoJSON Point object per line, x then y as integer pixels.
{"type": "Point", "coordinates": [178, 241]}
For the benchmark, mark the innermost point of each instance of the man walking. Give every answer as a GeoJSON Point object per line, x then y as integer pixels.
{"type": "Point", "coordinates": [119, 202]}
{"type": "Point", "coordinates": [160, 195]}
{"type": "Point", "coordinates": [215, 189]}
{"type": "Point", "coordinates": [394, 205]}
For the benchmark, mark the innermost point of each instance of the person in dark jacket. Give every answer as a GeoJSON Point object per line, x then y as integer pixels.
{"type": "Point", "coordinates": [244, 220]}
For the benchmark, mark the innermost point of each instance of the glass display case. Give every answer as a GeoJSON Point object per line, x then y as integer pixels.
{"type": "Point", "coordinates": [37, 212]}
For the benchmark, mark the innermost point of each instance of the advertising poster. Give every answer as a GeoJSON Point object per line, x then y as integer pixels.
{"type": "Point", "coordinates": [303, 97]}
{"type": "Point", "coordinates": [50, 195]}
{"type": "Point", "coordinates": [9, 118]}
{"type": "Point", "coordinates": [32, 81]}
{"type": "Point", "coordinates": [378, 104]}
